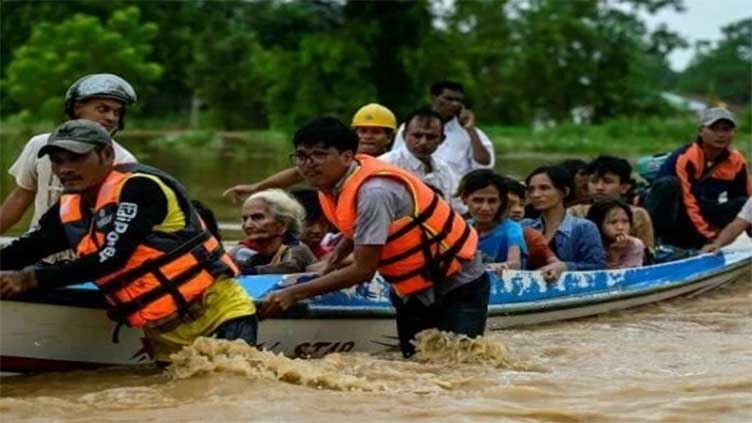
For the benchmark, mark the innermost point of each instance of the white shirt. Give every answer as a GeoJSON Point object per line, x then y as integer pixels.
{"type": "Point", "coordinates": [456, 150]}
{"type": "Point", "coordinates": [746, 212]}
{"type": "Point", "coordinates": [35, 174]}
{"type": "Point", "coordinates": [441, 176]}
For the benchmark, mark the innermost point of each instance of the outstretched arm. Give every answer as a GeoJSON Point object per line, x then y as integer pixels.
{"type": "Point", "coordinates": [14, 206]}
{"type": "Point", "coordinates": [283, 179]}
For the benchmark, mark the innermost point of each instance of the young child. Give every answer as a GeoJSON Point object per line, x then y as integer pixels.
{"type": "Point", "coordinates": [539, 253]}
{"type": "Point", "coordinates": [315, 226]}
{"type": "Point", "coordinates": [502, 243]}
{"type": "Point", "coordinates": [614, 219]}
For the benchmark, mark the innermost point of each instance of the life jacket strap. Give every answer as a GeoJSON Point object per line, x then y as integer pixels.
{"type": "Point", "coordinates": [148, 266]}
{"type": "Point", "coordinates": [418, 220]}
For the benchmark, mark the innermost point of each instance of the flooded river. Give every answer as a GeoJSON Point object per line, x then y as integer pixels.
{"type": "Point", "coordinates": [687, 360]}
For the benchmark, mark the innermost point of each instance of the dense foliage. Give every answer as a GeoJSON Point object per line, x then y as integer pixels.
{"type": "Point", "coordinates": [278, 63]}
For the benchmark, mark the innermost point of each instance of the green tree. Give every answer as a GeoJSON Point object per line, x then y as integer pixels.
{"type": "Point", "coordinates": [723, 71]}
{"type": "Point", "coordinates": [57, 54]}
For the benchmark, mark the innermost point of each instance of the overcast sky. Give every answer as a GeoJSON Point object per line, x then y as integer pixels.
{"type": "Point", "coordinates": [702, 19]}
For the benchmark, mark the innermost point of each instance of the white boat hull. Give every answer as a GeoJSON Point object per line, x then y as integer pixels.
{"type": "Point", "coordinates": [39, 336]}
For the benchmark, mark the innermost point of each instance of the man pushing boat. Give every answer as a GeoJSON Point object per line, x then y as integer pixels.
{"type": "Point", "coordinates": [136, 234]}
{"type": "Point", "coordinates": [392, 222]}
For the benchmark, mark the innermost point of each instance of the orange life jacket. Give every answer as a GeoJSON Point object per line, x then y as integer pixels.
{"type": "Point", "coordinates": [166, 272]}
{"type": "Point", "coordinates": [421, 248]}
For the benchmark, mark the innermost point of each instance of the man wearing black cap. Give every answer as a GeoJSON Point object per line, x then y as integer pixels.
{"type": "Point", "coordinates": [137, 236]}
{"type": "Point", "coordinates": [685, 202]}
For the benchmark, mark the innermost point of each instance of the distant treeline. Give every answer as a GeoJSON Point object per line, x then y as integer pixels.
{"type": "Point", "coordinates": [277, 63]}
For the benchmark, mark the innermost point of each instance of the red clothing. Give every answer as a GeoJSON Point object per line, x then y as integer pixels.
{"type": "Point", "coordinates": [538, 252]}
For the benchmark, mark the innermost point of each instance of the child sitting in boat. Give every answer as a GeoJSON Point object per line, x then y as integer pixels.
{"type": "Point", "coordinates": [614, 219]}
{"type": "Point", "coordinates": [539, 254]}
{"type": "Point", "coordinates": [575, 241]}
{"type": "Point", "coordinates": [315, 226]}
{"type": "Point", "coordinates": [501, 242]}
{"type": "Point", "coordinates": [271, 221]}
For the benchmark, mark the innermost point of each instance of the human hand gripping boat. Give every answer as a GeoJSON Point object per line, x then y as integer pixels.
{"type": "Point", "coordinates": [68, 328]}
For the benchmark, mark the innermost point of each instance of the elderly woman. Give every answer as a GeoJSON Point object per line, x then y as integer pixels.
{"type": "Point", "coordinates": [271, 221]}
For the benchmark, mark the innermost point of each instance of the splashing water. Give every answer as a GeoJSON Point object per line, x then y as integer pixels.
{"type": "Point", "coordinates": [438, 347]}
{"type": "Point", "coordinates": [208, 355]}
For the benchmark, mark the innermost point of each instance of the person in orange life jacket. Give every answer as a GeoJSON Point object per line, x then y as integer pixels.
{"type": "Point", "coordinates": [424, 133]}
{"type": "Point", "coordinates": [685, 201]}
{"type": "Point", "coordinates": [137, 236]}
{"type": "Point", "coordinates": [395, 224]}
{"type": "Point", "coordinates": [271, 222]}
{"type": "Point", "coordinates": [375, 126]}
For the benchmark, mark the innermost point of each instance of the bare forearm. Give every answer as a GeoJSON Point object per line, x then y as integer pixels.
{"type": "Point", "coordinates": [480, 153]}
{"type": "Point", "coordinates": [283, 179]}
{"type": "Point", "coordinates": [731, 231]}
{"type": "Point", "coordinates": [514, 260]}
{"type": "Point", "coordinates": [14, 207]}
{"type": "Point", "coordinates": [333, 281]}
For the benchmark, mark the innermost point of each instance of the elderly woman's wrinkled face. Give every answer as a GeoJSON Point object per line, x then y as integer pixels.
{"type": "Point", "coordinates": [259, 223]}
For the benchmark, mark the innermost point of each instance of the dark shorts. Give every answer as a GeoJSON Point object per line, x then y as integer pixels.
{"type": "Point", "coordinates": [671, 222]}
{"type": "Point", "coordinates": [245, 328]}
{"type": "Point", "coordinates": [463, 311]}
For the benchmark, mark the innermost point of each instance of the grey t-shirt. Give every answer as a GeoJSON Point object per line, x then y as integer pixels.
{"type": "Point", "coordinates": [381, 201]}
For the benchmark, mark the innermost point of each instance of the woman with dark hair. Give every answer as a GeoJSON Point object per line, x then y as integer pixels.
{"type": "Point", "coordinates": [613, 217]}
{"type": "Point", "coordinates": [501, 241]}
{"type": "Point", "coordinates": [576, 241]}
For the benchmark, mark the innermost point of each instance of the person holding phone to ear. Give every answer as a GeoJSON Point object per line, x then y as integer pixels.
{"type": "Point", "coordinates": [465, 147]}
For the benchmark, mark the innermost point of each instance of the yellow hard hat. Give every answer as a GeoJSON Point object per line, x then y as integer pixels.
{"type": "Point", "coordinates": [375, 115]}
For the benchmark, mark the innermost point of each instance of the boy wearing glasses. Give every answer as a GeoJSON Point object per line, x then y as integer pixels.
{"type": "Point", "coordinates": [395, 224]}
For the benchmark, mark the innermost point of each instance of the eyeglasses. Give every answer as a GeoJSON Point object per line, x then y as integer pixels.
{"type": "Point", "coordinates": [300, 158]}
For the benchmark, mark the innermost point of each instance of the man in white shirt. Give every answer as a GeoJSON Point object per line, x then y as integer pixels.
{"type": "Point", "coordinates": [102, 98]}
{"type": "Point", "coordinates": [423, 135]}
{"type": "Point", "coordinates": [465, 147]}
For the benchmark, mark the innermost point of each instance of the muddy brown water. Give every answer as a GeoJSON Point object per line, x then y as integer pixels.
{"type": "Point", "coordinates": [686, 360]}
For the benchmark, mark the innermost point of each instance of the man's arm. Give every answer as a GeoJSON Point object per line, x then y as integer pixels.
{"type": "Point", "coordinates": [14, 207]}
{"type": "Point", "coordinates": [365, 266]}
{"type": "Point", "coordinates": [378, 206]}
{"type": "Point", "coordinates": [727, 235]}
{"type": "Point", "coordinates": [690, 202]}
{"type": "Point", "coordinates": [49, 238]}
{"type": "Point", "coordinates": [481, 152]}
{"type": "Point", "coordinates": [282, 179]}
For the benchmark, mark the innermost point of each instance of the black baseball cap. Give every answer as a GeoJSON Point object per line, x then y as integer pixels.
{"type": "Point", "coordinates": [78, 136]}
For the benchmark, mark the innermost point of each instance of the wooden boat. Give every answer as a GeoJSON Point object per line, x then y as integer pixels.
{"type": "Point", "coordinates": [68, 328]}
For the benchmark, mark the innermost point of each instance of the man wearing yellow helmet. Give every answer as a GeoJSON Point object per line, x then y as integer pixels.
{"type": "Point", "coordinates": [375, 126]}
